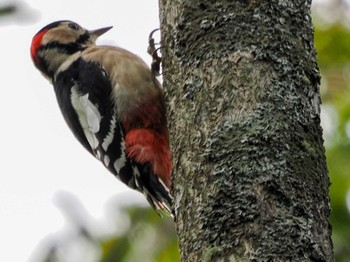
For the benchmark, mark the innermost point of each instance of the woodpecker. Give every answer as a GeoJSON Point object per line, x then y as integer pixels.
{"type": "Point", "coordinates": [112, 104]}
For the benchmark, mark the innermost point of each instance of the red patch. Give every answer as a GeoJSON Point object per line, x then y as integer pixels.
{"type": "Point", "coordinates": [36, 43]}
{"type": "Point", "coordinates": [145, 145]}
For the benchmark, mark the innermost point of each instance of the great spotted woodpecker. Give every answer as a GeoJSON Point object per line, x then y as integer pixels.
{"type": "Point", "coordinates": [112, 104]}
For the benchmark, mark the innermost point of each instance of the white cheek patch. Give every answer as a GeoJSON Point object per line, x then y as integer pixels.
{"type": "Point", "coordinates": [88, 114]}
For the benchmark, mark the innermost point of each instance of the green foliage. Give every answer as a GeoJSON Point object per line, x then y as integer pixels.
{"type": "Point", "coordinates": [149, 238]}
{"type": "Point", "coordinates": [333, 46]}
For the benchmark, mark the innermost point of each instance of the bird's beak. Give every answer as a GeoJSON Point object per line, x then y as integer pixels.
{"type": "Point", "coordinates": [96, 33]}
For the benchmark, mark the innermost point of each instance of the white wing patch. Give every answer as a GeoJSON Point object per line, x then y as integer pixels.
{"type": "Point", "coordinates": [120, 162]}
{"type": "Point", "coordinates": [88, 114]}
{"type": "Point", "coordinates": [136, 173]}
{"type": "Point", "coordinates": [106, 160]}
{"type": "Point", "coordinates": [93, 116]}
{"type": "Point", "coordinates": [98, 155]}
{"type": "Point", "coordinates": [109, 138]}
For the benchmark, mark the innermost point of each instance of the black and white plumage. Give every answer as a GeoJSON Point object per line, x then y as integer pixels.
{"type": "Point", "coordinates": [112, 104]}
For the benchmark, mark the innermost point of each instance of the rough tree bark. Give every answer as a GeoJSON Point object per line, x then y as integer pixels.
{"type": "Point", "coordinates": [250, 179]}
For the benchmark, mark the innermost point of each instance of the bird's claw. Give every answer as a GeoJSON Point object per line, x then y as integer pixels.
{"type": "Point", "coordinates": [153, 51]}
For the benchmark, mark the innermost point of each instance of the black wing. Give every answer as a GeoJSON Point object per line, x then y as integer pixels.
{"type": "Point", "coordinates": [83, 93]}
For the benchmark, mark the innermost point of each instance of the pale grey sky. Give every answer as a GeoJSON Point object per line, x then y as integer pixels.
{"type": "Point", "coordinates": [40, 156]}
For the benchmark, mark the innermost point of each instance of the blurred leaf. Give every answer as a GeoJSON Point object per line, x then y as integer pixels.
{"type": "Point", "coordinates": [115, 248]}
{"type": "Point", "coordinates": [333, 46]}
{"type": "Point", "coordinates": [7, 10]}
{"type": "Point", "coordinates": [149, 238]}
{"type": "Point", "coordinates": [339, 166]}
{"type": "Point", "coordinates": [169, 253]}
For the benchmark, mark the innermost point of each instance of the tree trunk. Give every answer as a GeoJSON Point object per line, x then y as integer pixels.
{"type": "Point", "coordinates": [250, 179]}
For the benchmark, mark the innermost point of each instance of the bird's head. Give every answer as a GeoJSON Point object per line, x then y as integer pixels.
{"type": "Point", "coordinates": [56, 42]}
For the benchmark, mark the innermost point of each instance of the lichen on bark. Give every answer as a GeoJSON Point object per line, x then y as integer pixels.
{"type": "Point", "coordinates": [250, 179]}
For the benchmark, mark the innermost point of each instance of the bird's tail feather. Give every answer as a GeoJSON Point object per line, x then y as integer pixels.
{"type": "Point", "coordinates": [155, 191]}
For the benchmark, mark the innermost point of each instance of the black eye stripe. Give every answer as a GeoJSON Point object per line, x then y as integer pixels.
{"type": "Point", "coordinates": [70, 48]}
{"type": "Point", "coordinates": [83, 38]}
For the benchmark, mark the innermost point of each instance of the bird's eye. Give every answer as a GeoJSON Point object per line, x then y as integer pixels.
{"type": "Point", "coordinates": [73, 26]}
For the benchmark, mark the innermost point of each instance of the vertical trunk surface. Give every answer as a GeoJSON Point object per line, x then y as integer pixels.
{"type": "Point", "coordinates": [250, 179]}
